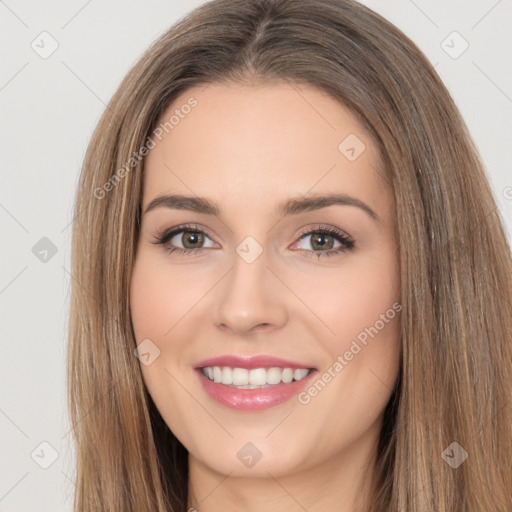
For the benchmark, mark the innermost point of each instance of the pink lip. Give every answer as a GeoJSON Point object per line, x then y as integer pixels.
{"type": "Point", "coordinates": [251, 399]}
{"type": "Point", "coordinates": [250, 362]}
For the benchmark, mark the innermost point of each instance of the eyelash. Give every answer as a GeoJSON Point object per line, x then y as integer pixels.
{"type": "Point", "coordinates": [163, 237]}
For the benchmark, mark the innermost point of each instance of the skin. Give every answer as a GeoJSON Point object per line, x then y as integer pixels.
{"type": "Point", "coordinates": [248, 148]}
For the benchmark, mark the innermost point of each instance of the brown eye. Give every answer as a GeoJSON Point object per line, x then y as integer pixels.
{"type": "Point", "coordinates": [184, 239]}
{"type": "Point", "coordinates": [322, 242]}
{"type": "Point", "coordinates": [191, 239]}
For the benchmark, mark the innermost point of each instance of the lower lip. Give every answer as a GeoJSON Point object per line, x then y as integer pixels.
{"type": "Point", "coordinates": [252, 399]}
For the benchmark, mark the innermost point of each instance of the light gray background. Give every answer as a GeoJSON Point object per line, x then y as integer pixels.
{"type": "Point", "coordinates": [49, 108]}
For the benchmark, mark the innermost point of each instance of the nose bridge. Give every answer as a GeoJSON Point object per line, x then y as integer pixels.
{"type": "Point", "coordinates": [249, 296]}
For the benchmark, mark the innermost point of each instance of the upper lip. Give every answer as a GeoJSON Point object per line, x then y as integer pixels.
{"type": "Point", "coordinates": [250, 362]}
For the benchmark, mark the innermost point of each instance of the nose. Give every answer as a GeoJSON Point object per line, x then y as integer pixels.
{"type": "Point", "coordinates": [250, 299]}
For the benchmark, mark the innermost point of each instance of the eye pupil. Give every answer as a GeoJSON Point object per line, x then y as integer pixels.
{"type": "Point", "coordinates": [193, 237]}
{"type": "Point", "coordinates": [318, 241]}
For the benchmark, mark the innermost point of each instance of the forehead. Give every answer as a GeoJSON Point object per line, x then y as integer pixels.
{"type": "Point", "coordinates": [256, 144]}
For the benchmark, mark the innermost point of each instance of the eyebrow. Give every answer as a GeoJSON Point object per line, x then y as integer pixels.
{"type": "Point", "coordinates": [292, 206]}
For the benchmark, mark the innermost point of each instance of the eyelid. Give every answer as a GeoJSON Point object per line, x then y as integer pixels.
{"type": "Point", "coordinates": [324, 228]}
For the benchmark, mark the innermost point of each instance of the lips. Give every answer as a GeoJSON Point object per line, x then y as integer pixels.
{"type": "Point", "coordinates": [250, 362]}
{"type": "Point", "coordinates": [252, 383]}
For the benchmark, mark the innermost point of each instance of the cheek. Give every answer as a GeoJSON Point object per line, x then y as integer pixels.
{"type": "Point", "coordinates": [361, 307]}
{"type": "Point", "coordinates": [159, 301]}
{"type": "Point", "coordinates": [348, 301]}
{"type": "Point", "coordinates": [364, 303]}
{"type": "Point", "coordinates": [356, 379]}
{"type": "Point", "coordinates": [159, 298]}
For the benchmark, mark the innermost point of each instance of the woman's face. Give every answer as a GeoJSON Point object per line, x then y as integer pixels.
{"type": "Point", "coordinates": [281, 268]}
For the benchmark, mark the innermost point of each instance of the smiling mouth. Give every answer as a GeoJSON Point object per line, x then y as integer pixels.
{"type": "Point", "coordinates": [255, 378]}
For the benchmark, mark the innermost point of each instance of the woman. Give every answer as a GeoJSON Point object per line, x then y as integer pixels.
{"type": "Point", "coordinates": [295, 291]}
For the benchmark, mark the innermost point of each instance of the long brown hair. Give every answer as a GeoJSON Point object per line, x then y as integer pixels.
{"type": "Point", "coordinates": [455, 381]}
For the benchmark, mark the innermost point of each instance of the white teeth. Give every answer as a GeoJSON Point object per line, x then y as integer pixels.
{"type": "Point", "coordinates": [287, 375]}
{"type": "Point", "coordinates": [227, 375]}
{"type": "Point", "coordinates": [274, 375]}
{"type": "Point", "coordinates": [300, 373]}
{"type": "Point", "coordinates": [243, 378]}
{"type": "Point", "coordinates": [240, 377]}
{"type": "Point", "coordinates": [258, 377]}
